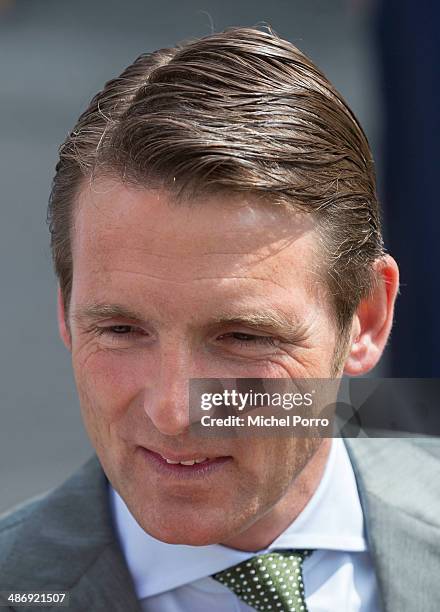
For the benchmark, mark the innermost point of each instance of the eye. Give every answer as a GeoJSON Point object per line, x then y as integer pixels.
{"type": "Point", "coordinates": [118, 330]}
{"type": "Point", "coordinates": [120, 334]}
{"type": "Point", "coordinates": [244, 339]}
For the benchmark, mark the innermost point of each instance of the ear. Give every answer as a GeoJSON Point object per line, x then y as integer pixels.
{"type": "Point", "coordinates": [373, 320]}
{"type": "Point", "coordinates": [62, 324]}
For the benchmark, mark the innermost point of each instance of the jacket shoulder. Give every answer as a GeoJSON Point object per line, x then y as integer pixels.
{"type": "Point", "coordinates": [15, 516]}
{"type": "Point", "coordinates": [47, 541]}
{"type": "Point", "coordinates": [15, 519]}
{"type": "Point", "coordinates": [400, 472]}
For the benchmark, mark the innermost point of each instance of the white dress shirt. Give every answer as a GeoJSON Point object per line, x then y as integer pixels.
{"type": "Point", "coordinates": [338, 576]}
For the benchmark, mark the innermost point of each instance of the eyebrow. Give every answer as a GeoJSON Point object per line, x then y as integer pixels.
{"type": "Point", "coordinates": [273, 321]}
{"type": "Point", "coordinates": [96, 312]}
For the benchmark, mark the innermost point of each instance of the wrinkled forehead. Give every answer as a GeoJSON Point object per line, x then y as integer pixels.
{"type": "Point", "coordinates": [110, 214]}
{"type": "Point", "coordinates": [144, 246]}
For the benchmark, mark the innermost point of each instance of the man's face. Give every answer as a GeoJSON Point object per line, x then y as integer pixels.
{"type": "Point", "coordinates": [163, 293]}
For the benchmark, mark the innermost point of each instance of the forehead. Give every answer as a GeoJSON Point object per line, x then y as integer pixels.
{"type": "Point", "coordinates": [145, 232]}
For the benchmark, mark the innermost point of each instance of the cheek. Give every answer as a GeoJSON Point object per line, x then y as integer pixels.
{"type": "Point", "coordinates": [107, 382]}
{"type": "Point", "coordinates": [277, 462]}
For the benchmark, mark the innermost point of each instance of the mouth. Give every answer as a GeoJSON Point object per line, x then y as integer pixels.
{"type": "Point", "coordinates": [184, 465]}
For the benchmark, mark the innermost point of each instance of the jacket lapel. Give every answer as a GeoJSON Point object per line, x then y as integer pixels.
{"type": "Point", "coordinates": [400, 491]}
{"type": "Point", "coordinates": [105, 585]}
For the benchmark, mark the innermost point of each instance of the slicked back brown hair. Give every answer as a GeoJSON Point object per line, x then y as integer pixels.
{"type": "Point", "coordinates": [241, 111]}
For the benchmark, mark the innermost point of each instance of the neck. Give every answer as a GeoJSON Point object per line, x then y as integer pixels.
{"type": "Point", "coordinates": [264, 531]}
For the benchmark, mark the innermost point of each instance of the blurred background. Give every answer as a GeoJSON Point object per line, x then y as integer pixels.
{"type": "Point", "coordinates": [55, 54]}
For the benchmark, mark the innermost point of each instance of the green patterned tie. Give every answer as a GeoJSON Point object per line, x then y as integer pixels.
{"type": "Point", "coordinates": [272, 581]}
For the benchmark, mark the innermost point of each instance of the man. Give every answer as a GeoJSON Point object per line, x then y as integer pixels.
{"type": "Point", "coordinates": [214, 215]}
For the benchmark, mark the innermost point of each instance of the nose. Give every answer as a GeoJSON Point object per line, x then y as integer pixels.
{"type": "Point", "coordinates": [166, 403]}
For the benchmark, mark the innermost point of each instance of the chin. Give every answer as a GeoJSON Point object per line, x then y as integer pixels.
{"type": "Point", "coordinates": [184, 536]}
{"type": "Point", "coordinates": [184, 532]}
{"type": "Point", "coordinates": [193, 539]}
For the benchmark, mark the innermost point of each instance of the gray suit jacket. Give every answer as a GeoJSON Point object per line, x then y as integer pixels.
{"type": "Point", "coordinates": [65, 540]}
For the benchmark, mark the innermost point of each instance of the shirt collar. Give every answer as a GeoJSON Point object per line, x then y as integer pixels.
{"type": "Point", "coordinates": [332, 520]}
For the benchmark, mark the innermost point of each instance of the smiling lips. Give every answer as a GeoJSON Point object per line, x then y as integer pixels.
{"type": "Point", "coordinates": [184, 460]}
